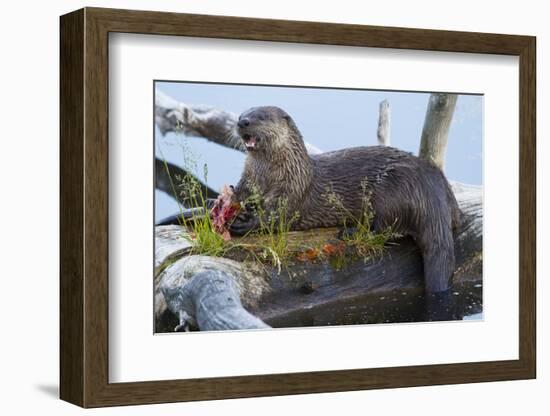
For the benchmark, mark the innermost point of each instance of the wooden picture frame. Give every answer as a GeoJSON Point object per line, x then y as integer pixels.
{"type": "Point", "coordinates": [84, 207]}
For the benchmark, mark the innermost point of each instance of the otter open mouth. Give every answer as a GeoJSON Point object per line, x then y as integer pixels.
{"type": "Point", "coordinates": [250, 141]}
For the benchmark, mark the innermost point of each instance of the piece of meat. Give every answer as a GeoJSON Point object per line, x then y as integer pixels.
{"type": "Point", "coordinates": [224, 210]}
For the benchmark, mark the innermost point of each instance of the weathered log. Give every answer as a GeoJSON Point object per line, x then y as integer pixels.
{"type": "Point", "coordinates": [204, 121]}
{"type": "Point", "coordinates": [226, 289]}
{"type": "Point", "coordinates": [215, 299]}
{"type": "Point", "coordinates": [439, 114]}
{"type": "Point", "coordinates": [383, 131]}
{"type": "Point", "coordinates": [308, 293]}
{"type": "Point", "coordinates": [166, 175]}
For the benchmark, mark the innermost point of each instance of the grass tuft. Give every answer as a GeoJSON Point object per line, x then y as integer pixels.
{"type": "Point", "coordinates": [362, 238]}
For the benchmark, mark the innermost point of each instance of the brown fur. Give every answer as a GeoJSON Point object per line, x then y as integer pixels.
{"type": "Point", "coordinates": [405, 191]}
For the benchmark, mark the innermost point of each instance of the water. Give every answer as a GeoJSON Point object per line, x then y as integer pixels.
{"type": "Point", "coordinates": [465, 302]}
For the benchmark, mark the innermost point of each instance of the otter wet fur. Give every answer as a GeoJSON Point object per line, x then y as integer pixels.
{"type": "Point", "coordinates": [406, 192]}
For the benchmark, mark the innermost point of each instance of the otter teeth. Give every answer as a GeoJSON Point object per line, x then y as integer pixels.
{"type": "Point", "coordinates": [250, 143]}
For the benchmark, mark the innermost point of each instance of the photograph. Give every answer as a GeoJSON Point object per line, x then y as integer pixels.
{"type": "Point", "coordinates": [283, 206]}
{"type": "Point", "coordinates": [258, 204]}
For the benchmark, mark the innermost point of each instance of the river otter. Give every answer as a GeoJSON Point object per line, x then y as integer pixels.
{"type": "Point", "coordinates": [405, 191]}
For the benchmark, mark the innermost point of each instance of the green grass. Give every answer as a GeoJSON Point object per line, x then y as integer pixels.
{"type": "Point", "coordinates": [366, 242]}
{"type": "Point", "coordinates": [274, 227]}
{"type": "Point", "coordinates": [205, 240]}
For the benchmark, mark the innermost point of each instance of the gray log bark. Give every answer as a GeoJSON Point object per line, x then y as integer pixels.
{"type": "Point", "coordinates": [235, 295]}
{"type": "Point", "coordinates": [210, 300]}
{"type": "Point", "coordinates": [221, 298]}
{"type": "Point", "coordinates": [384, 119]}
{"type": "Point", "coordinates": [439, 114]}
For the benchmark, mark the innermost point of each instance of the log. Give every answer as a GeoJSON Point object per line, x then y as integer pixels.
{"type": "Point", "coordinates": [165, 180]}
{"type": "Point", "coordinates": [214, 298]}
{"type": "Point", "coordinates": [219, 300]}
{"type": "Point", "coordinates": [383, 131]}
{"type": "Point", "coordinates": [439, 114]}
{"type": "Point", "coordinates": [229, 294]}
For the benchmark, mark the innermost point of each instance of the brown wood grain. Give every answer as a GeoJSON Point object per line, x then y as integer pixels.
{"type": "Point", "coordinates": [527, 208]}
{"type": "Point", "coordinates": [84, 207]}
{"type": "Point", "coordinates": [71, 208]}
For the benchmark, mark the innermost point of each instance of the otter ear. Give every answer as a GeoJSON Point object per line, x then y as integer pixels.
{"type": "Point", "coordinates": [290, 122]}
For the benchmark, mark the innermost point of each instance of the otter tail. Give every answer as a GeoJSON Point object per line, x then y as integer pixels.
{"type": "Point", "coordinates": [439, 262]}
{"type": "Point", "coordinates": [436, 241]}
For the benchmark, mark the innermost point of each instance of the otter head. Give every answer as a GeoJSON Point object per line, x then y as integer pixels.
{"type": "Point", "coordinates": [267, 130]}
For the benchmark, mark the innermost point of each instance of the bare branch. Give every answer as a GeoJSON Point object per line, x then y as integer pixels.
{"type": "Point", "coordinates": [383, 131]}
{"type": "Point", "coordinates": [213, 124]}
{"type": "Point", "coordinates": [435, 133]}
{"type": "Point", "coordinates": [165, 180]}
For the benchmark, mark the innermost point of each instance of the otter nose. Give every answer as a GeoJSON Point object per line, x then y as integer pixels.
{"type": "Point", "coordinates": [243, 122]}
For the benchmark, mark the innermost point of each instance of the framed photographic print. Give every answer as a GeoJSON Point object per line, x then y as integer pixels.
{"type": "Point", "coordinates": [255, 207]}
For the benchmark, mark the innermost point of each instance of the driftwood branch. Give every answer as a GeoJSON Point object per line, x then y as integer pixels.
{"type": "Point", "coordinates": [211, 123]}
{"type": "Point", "coordinates": [166, 175]}
{"type": "Point", "coordinates": [435, 132]}
{"type": "Point", "coordinates": [383, 131]}
{"type": "Point", "coordinates": [307, 293]}
{"type": "Point", "coordinates": [210, 301]}
{"type": "Point", "coordinates": [218, 300]}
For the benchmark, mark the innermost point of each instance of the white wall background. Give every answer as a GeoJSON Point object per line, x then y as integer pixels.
{"type": "Point", "coordinates": [29, 159]}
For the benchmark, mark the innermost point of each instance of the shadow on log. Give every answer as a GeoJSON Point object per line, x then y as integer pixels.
{"type": "Point", "coordinates": [214, 293]}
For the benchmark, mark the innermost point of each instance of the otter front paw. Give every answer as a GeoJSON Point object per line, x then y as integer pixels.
{"type": "Point", "coordinates": [244, 224]}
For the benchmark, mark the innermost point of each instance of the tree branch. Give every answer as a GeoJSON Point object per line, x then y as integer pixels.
{"type": "Point", "coordinates": [383, 131]}
{"type": "Point", "coordinates": [439, 114]}
{"type": "Point", "coordinates": [213, 124]}
{"type": "Point", "coordinates": [166, 175]}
